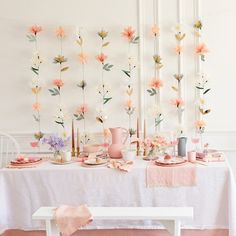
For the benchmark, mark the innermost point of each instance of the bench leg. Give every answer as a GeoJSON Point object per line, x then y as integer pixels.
{"type": "Point", "coordinates": [172, 226]}
{"type": "Point", "coordinates": [51, 229]}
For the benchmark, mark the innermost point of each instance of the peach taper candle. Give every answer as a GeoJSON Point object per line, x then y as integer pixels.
{"type": "Point", "coordinates": [73, 139]}
{"type": "Point", "coordinates": [138, 136]}
{"type": "Point", "coordinates": [78, 143]}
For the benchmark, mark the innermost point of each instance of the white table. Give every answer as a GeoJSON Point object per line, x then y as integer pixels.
{"type": "Point", "coordinates": [23, 191]}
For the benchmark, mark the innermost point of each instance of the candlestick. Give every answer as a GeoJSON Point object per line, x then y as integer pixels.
{"type": "Point", "coordinates": [144, 137]}
{"type": "Point", "coordinates": [73, 139]}
{"type": "Point", "coordinates": [78, 144]}
{"type": "Point", "coordinates": [138, 146]}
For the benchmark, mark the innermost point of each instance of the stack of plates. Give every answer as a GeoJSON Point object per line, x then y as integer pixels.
{"type": "Point", "coordinates": [95, 162]}
{"type": "Point", "coordinates": [25, 162]}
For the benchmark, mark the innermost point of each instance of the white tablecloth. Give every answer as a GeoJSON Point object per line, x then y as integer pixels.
{"type": "Point", "coordinates": [22, 191]}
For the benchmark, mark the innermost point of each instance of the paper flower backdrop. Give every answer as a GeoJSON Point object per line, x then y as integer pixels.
{"type": "Point", "coordinates": [104, 93]}
{"type": "Point", "coordinates": [58, 83]}
{"type": "Point", "coordinates": [128, 34]}
{"type": "Point", "coordinates": [36, 85]}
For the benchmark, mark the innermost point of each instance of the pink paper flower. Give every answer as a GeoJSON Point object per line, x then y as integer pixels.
{"type": "Point", "coordinates": [201, 49]}
{"type": "Point", "coordinates": [200, 124]}
{"type": "Point", "coordinates": [58, 82]}
{"type": "Point", "coordinates": [128, 33]}
{"type": "Point", "coordinates": [35, 29]}
{"type": "Point", "coordinates": [156, 83]}
{"type": "Point", "coordinates": [60, 32]}
{"type": "Point", "coordinates": [36, 106]}
{"type": "Point", "coordinates": [101, 57]}
{"type": "Point", "coordinates": [83, 58]}
{"type": "Point", "coordinates": [178, 102]}
{"type": "Point", "coordinates": [82, 109]}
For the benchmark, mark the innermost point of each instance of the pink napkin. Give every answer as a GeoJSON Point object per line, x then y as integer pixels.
{"type": "Point", "coordinates": [121, 165]}
{"type": "Point", "coordinates": [212, 157]}
{"type": "Point", "coordinates": [158, 176]}
{"type": "Point", "coordinates": [70, 219]}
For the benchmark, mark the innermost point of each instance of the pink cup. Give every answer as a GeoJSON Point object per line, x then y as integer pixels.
{"type": "Point", "coordinates": [192, 156]}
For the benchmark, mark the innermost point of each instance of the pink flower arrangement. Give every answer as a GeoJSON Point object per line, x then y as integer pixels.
{"type": "Point", "coordinates": [178, 102]}
{"type": "Point", "coordinates": [35, 29]}
{"type": "Point", "coordinates": [36, 106]}
{"type": "Point", "coordinates": [156, 83]}
{"type": "Point", "coordinates": [128, 33]}
{"type": "Point", "coordinates": [101, 57]}
{"type": "Point", "coordinates": [60, 32]}
{"type": "Point", "coordinates": [83, 58]}
{"type": "Point", "coordinates": [201, 49]}
{"type": "Point", "coordinates": [58, 82]}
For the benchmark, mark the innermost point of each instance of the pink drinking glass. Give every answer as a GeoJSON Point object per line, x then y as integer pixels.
{"type": "Point", "coordinates": [195, 141]}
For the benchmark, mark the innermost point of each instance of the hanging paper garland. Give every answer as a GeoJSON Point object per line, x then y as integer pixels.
{"type": "Point", "coordinates": [129, 34]}
{"type": "Point", "coordinates": [179, 34]}
{"type": "Point", "coordinates": [156, 83]}
{"type": "Point", "coordinates": [36, 85]}
{"type": "Point", "coordinates": [59, 83]}
{"type": "Point", "coordinates": [103, 90]}
{"type": "Point", "coordinates": [201, 80]}
{"type": "Point", "coordinates": [82, 110]}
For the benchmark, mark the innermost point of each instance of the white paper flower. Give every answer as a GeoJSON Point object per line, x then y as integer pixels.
{"type": "Point", "coordinates": [179, 28]}
{"type": "Point", "coordinates": [36, 60]}
{"type": "Point", "coordinates": [35, 82]}
{"type": "Point", "coordinates": [104, 88]}
{"type": "Point", "coordinates": [101, 115]}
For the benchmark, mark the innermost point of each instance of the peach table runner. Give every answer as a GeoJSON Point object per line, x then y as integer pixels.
{"type": "Point", "coordinates": [158, 176]}
{"type": "Point", "coordinates": [70, 219]}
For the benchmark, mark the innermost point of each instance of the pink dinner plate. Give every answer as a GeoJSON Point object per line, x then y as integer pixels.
{"type": "Point", "coordinates": [172, 162]}
{"type": "Point", "coordinates": [31, 161]}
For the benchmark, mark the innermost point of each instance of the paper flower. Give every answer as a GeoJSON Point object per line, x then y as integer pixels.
{"type": "Point", "coordinates": [101, 57]}
{"type": "Point", "coordinates": [178, 102]}
{"type": "Point", "coordinates": [128, 33]}
{"type": "Point", "coordinates": [178, 49]}
{"type": "Point", "coordinates": [82, 84]}
{"type": "Point", "coordinates": [106, 133]}
{"type": "Point", "coordinates": [36, 106]}
{"type": "Point", "coordinates": [83, 58]}
{"type": "Point", "coordinates": [155, 30]}
{"type": "Point", "coordinates": [101, 115]}
{"type": "Point", "coordinates": [35, 29]}
{"type": "Point", "coordinates": [60, 32]}
{"type": "Point", "coordinates": [82, 109]}
{"type": "Point", "coordinates": [36, 60]}
{"type": "Point", "coordinates": [201, 49]}
{"type": "Point", "coordinates": [200, 125]}
{"type": "Point", "coordinates": [36, 90]}
{"type": "Point", "coordinates": [103, 34]}
{"type": "Point", "coordinates": [59, 59]}
{"type": "Point", "coordinates": [198, 25]}
{"type": "Point", "coordinates": [156, 83]}
{"type": "Point", "coordinates": [58, 83]}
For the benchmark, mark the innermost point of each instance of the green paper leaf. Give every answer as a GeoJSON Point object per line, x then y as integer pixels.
{"type": "Point", "coordinates": [135, 40]}
{"type": "Point", "coordinates": [64, 68]}
{"type": "Point", "coordinates": [126, 72]}
{"type": "Point", "coordinates": [54, 91]}
{"type": "Point", "coordinates": [105, 44]}
{"type": "Point", "coordinates": [107, 67]}
{"type": "Point", "coordinates": [199, 87]}
{"type": "Point", "coordinates": [35, 70]}
{"type": "Point", "coordinates": [60, 123]}
{"type": "Point", "coordinates": [36, 118]}
{"type": "Point", "coordinates": [206, 91]}
{"type": "Point", "coordinates": [106, 100]}
{"type": "Point", "coordinates": [31, 37]}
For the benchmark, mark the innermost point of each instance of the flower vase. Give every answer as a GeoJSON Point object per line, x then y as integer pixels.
{"type": "Point", "coordinates": [58, 156]}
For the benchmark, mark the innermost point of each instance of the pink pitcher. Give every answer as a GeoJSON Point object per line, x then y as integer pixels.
{"type": "Point", "coordinates": [115, 148]}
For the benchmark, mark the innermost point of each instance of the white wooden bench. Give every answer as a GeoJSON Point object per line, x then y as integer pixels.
{"type": "Point", "coordinates": [169, 217]}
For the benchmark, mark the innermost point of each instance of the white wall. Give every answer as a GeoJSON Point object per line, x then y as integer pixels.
{"type": "Point", "coordinates": [15, 51]}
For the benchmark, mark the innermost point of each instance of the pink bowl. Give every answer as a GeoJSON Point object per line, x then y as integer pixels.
{"type": "Point", "coordinates": [92, 148]}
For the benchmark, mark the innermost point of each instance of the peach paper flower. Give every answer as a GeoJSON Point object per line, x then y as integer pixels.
{"type": "Point", "coordinates": [128, 33]}
{"type": "Point", "coordinates": [200, 124]}
{"type": "Point", "coordinates": [155, 30]}
{"type": "Point", "coordinates": [128, 104]}
{"type": "Point", "coordinates": [36, 106]}
{"type": "Point", "coordinates": [36, 90]}
{"type": "Point", "coordinates": [83, 58]}
{"type": "Point", "coordinates": [60, 32]}
{"type": "Point", "coordinates": [82, 109]}
{"type": "Point", "coordinates": [201, 49]}
{"type": "Point", "coordinates": [101, 57]}
{"type": "Point", "coordinates": [58, 82]}
{"type": "Point", "coordinates": [178, 49]}
{"type": "Point", "coordinates": [35, 29]}
{"type": "Point", "coordinates": [178, 102]}
{"type": "Point", "coordinates": [156, 83]}
{"type": "Point", "coordinates": [106, 133]}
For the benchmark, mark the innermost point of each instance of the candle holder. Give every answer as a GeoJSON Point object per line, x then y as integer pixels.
{"type": "Point", "coordinates": [77, 151]}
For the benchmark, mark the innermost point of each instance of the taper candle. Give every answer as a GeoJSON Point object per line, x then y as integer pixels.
{"type": "Point", "coordinates": [73, 139]}
{"type": "Point", "coordinates": [144, 137]}
{"type": "Point", "coordinates": [138, 147]}
{"type": "Point", "coordinates": [78, 143]}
